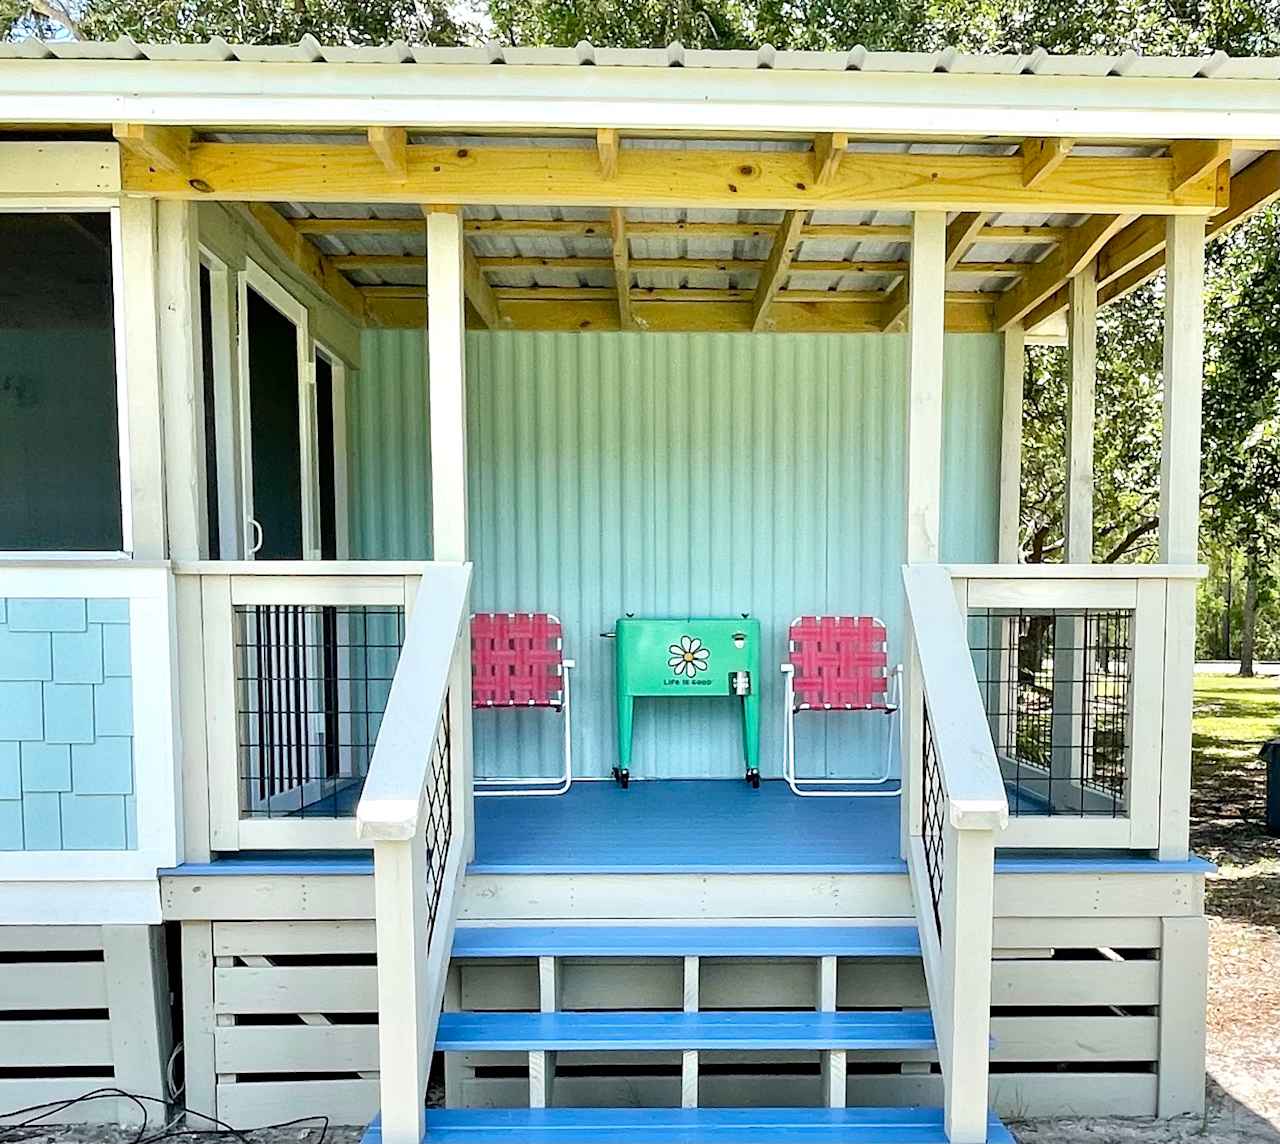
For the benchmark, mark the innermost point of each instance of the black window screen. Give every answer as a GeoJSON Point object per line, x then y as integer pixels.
{"type": "Point", "coordinates": [59, 427]}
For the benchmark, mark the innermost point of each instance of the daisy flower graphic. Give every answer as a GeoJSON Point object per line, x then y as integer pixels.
{"type": "Point", "coordinates": [688, 657]}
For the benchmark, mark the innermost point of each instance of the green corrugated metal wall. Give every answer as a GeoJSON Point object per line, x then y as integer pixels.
{"type": "Point", "coordinates": [693, 474]}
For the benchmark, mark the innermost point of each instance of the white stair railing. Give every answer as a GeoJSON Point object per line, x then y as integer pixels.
{"type": "Point", "coordinates": [961, 804]}
{"type": "Point", "coordinates": [415, 809]}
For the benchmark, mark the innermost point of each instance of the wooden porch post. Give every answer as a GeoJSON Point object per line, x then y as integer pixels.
{"type": "Point", "coordinates": [1082, 339]}
{"type": "Point", "coordinates": [927, 295]}
{"type": "Point", "coordinates": [446, 367]}
{"type": "Point", "coordinates": [1180, 513]}
{"type": "Point", "coordinates": [1011, 444]}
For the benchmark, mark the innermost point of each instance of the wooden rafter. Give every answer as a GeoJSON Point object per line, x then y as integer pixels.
{"type": "Point", "coordinates": [1193, 159]}
{"type": "Point", "coordinates": [962, 232]}
{"type": "Point", "coordinates": [565, 228]}
{"type": "Point", "coordinates": [1060, 265]}
{"type": "Point", "coordinates": [828, 150]}
{"type": "Point", "coordinates": [163, 148]}
{"type": "Point", "coordinates": [571, 177]}
{"type": "Point", "coordinates": [391, 145]}
{"type": "Point", "coordinates": [1042, 157]}
{"type": "Point", "coordinates": [785, 244]}
{"type": "Point", "coordinates": [607, 149]}
{"type": "Point", "coordinates": [621, 268]}
{"type": "Point", "coordinates": [308, 259]}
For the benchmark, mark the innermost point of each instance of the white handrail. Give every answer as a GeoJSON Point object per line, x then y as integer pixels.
{"type": "Point", "coordinates": [970, 770]}
{"type": "Point", "coordinates": [390, 806]}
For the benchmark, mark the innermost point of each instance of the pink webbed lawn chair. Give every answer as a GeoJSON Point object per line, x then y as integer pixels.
{"type": "Point", "coordinates": [839, 663]}
{"type": "Point", "coordinates": [517, 660]}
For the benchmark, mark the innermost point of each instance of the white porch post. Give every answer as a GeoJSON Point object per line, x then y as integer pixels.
{"type": "Point", "coordinates": [1180, 512]}
{"type": "Point", "coordinates": [925, 315]}
{"type": "Point", "coordinates": [181, 381]}
{"type": "Point", "coordinates": [446, 365]}
{"type": "Point", "coordinates": [1082, 341]}
{"type": "Point", "coordinates": [1011, 444]}
{"type": "Point", "coordinates": [142, 377]}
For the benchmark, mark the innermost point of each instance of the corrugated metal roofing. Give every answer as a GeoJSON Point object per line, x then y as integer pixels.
{"type": "Point", "coordinates": [946, 61]}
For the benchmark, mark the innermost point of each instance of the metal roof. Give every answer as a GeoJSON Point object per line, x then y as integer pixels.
{"type": "Point", "coordinates": [950, 61]}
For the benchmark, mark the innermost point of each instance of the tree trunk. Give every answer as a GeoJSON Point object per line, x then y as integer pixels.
{"type": "Point", "coordinates": [1226, 612]}
{"type": "Point", "coordinates": [1248, 620]}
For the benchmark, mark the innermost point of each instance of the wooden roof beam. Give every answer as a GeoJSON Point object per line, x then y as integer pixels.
{"type": "Point", "coordinates": [1193, 159]}
{"type": "Point", "coordinates": [310, 261]}
{"type": "Point", "coordinates": [1041, 158]}
{"type": "Point", "coordinates": [163, 148]}
{"type": "Point", "coordinates": [391, 145]}
{"type": "Point", "coordinates": [1063, 263]}
{"type": "Point", "coordinates": [693, 177]}
{"type": "Point", "coordinates": [828, 150]}
{"type": "Point", "coordinates": [621, 268]}
{"type": "Point", "coordinates": [785, 244]}
{"type": "Point", "coordinates": [607, 148]}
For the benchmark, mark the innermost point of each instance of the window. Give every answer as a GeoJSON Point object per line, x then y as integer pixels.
{"type": "Point", "coordinates": [59, 403]}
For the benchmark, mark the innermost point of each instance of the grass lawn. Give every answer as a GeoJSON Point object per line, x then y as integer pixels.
{"type": "Point", "coordinates": [1233, 717]}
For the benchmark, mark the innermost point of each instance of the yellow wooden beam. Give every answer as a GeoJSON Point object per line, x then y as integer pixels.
{"type": "Point", "coordinates": [607, 149]}
{"type": "Point", "coordinates": [828, 150]}
{"type": "Point", "coordinates": [1193, 159]}
{"type": "Point", "coordinates": [391, 145]}
{"type": "Point", "coordinates": [1041, 157]}
{"type": "Point", "coordinates": [785, 244]}
{"type": "Point", "coordinates": [782, 180]}
{"type": "Point", "coordinates": [310, 260]}
{"type": "Point", "coordinates": [602, 314]}
{"type": "Point", "coordinates": [622, 268]}
{"type": "Point", "coordinates": [165, 149]}
{"type": "Point", "coordinates": [721, 265]}
{"type": "Point", "coordinates": [1064, 262]}
{"type": "Point", "coordinates": [566, 228]}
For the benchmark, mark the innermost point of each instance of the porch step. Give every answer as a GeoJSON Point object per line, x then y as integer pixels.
{"type": "Point", "coordinates": [602, 1032]}
{"type": "Point", "coordinates": [690, 1126]}
{"type": "Point", "coordinates": [687, 941]}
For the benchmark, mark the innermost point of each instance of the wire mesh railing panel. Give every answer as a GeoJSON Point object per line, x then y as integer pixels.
{"type": "Point", "coordinates": [933, 820]}
{"type": "Point", "coordinates": [439, 816]}
{"type": "Point", "coordinates": [312, 683]}
{"type": "Point", "coordinates": [1056, 685]}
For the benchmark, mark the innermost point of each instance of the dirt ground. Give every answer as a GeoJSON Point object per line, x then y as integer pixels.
{"type": "Point", "coordinates": [1233, 716]}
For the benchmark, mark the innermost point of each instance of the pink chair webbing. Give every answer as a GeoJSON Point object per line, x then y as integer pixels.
{"type": "Point", "coordinates": [840, 662]}
{"type": "Point", "coordinates": [516, 660]}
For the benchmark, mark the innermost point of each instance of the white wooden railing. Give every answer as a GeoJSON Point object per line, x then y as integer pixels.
{"type": "Point", "coordinates": [1091, 723]}
{"type": "Point", "coordinates": [286, 668]}
{"type": "Point", "coordinates": [416, 813]}
{"type": "Point", "coordinates": [959, 808]}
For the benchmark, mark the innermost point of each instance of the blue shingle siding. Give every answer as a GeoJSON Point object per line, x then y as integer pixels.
{"type": "Point", "coordinates": [66, 726]}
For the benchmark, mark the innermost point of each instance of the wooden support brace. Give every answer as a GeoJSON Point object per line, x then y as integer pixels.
{"type": "Point", "coordinates": [391, 145]}
{"type": "Point", "coordinates": [1193, 159]}
{"type": "Point", "coordinates": [828, 150]}
{"type": "Point", "coordinates": [307, 258]}
{"type": "Point", "coordinates": [162, 148]}
{"type": "Point", "coordinates": [1041, 157]}
{"type": "Point", "coordinates": [962, 232]}
{"type": "Point", "coordinates": [622, 267]}
{"type": "Point", "coordinates": [785, 244]}
{"type": "Point", "coordinates": [475, 286]}
{"type": "Point", "coordinates": [607, 148]}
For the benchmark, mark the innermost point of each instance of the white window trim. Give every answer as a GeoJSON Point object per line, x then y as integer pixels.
{"type": "Point", "coordinates": [342, 538]}
{"type": "Point", "coordinates": [222, 325]}
{"type": "Point", "coordinates": [254, 277]}
{"type": "Point", "coordinates": [95, 204]}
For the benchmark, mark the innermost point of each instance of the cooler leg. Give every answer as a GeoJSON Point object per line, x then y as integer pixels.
{"type": "Point", "coordinates": [751, 736]}
{"type": "Point", "coordinates": [626, 709]}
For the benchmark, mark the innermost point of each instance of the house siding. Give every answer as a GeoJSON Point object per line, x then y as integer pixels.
{"type": "Point", "coordinates": [676, 474]}
{"type": "Point", "coordinates": [66, 726]}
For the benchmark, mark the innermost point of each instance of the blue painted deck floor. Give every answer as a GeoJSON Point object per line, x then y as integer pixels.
{"type": "Point", "coordinates": [689, 1126]}
{"type": "Point", "coordinates": [711, 826]}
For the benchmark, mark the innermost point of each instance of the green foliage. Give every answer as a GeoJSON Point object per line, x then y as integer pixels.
{"type": "Point", "coordinates": [621, 24]}
{"type": "Point", "coordinates": [274, 21]}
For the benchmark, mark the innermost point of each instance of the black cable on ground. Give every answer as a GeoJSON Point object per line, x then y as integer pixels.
{"type": "Point", "coordinates": [37, 1113]}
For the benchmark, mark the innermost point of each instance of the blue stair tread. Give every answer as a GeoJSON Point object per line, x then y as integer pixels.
{"type": "Point", "coordinates": [690, 1126]}
{"type": "Point", "coordinates": [687, 941]}
{"type": "Point", "coordinates": [602, 1032]}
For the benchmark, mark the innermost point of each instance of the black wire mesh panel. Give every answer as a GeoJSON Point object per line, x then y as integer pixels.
{"type": "Point", "coordinates": [1056, 686]}
{"type": "Point", "coordinates": [933, 820]}
{"type": "Point", "coordinates": [312, 684]}
{"type": "Point", "coordinates": [439, 816]}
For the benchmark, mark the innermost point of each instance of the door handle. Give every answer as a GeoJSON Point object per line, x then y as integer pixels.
{"type": "Point", "coordinates": [256, 529]}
